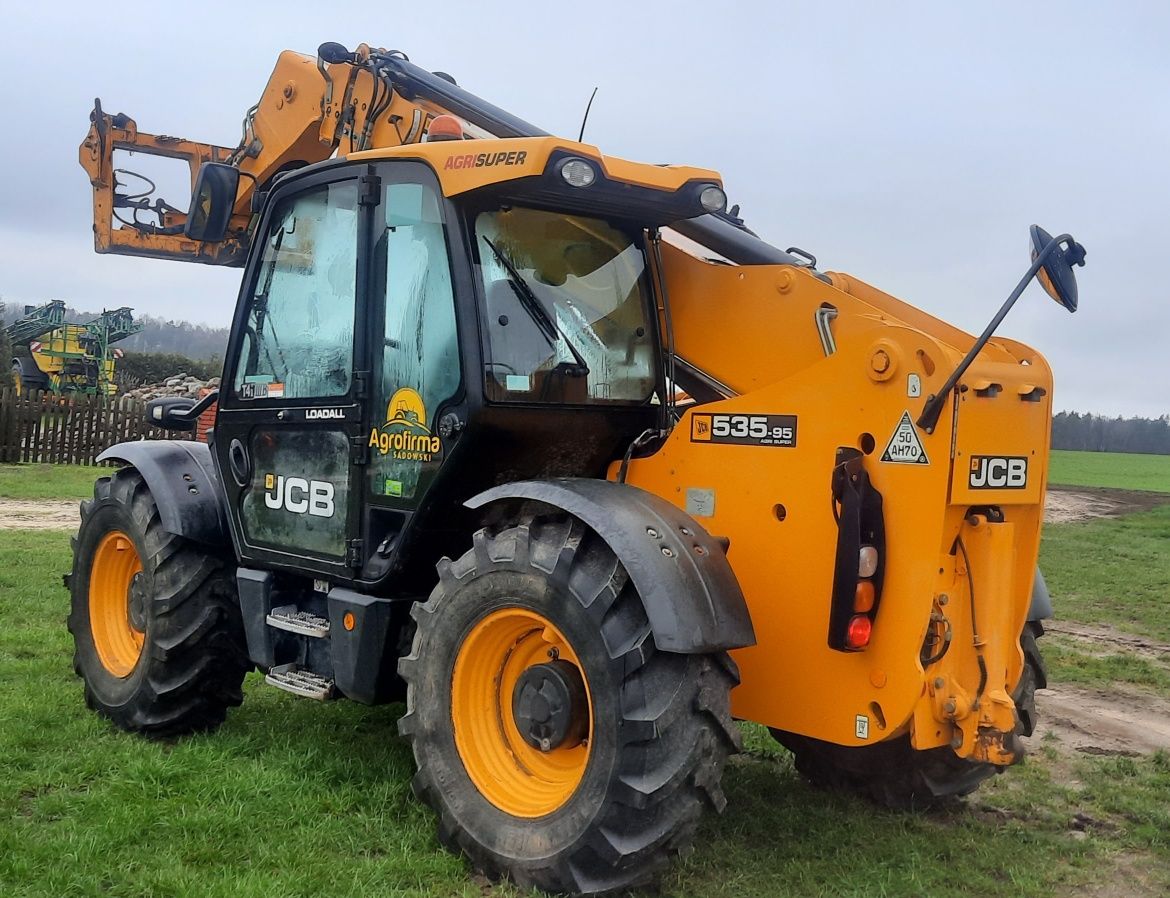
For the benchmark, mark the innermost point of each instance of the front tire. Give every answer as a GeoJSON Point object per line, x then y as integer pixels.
{"type": "Point", "coordinates": [638, 740]}
{"type": "Point", "coordinates": [158, 638]}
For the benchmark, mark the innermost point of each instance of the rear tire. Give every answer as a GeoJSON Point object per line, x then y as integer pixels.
{"type": "Point", "coordinates": [158, 638]}
{"type": "Point", "coordinates": [896, 775]}
{"type": "Point", "coordinates": [659, 729]}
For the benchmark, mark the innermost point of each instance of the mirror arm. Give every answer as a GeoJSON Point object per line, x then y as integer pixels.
{"type": "Point", "coordinates": [192, 414]}
{"type": "Point", "coordinates": [931, 410]}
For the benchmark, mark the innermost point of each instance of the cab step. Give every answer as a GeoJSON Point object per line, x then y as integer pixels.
{"type": "Point", "coordinates": [304, 683]}
{"type": "Point", "coordinates": [304, 623]}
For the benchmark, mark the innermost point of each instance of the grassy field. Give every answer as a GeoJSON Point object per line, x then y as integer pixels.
{"type": "Point", "coordinates": [48, 481]}
{"type": "Point", "coordinates": [294, 798]}
{"type": "Point", "coordinates": [1113, 571]}
{"type": "Point", "coordinates": [1118, 470]}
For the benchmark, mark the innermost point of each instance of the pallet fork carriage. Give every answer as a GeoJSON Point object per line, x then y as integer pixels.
{"type": "Point", "coordinates": [551, 446]}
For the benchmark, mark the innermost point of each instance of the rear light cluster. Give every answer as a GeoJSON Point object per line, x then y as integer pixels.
{"type": "Point", "coordinates": [860, 627]}
{"type": "Point", "coordinates": [859, 559]}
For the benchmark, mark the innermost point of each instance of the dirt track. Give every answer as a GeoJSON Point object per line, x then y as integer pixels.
{"type": "Point", "coordinates": [39, 514]}
{"type": "Point", "coordinates": [1083, 503]}
{"type": "Point", "coordinates": [1106, 722]}
{"type": "Point", "coordinates": [1064, 505]}
{"type": "Point", "coordinates": [1103, 722]}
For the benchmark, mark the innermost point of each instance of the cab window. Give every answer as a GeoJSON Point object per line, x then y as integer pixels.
{"type": "Point", "coordinates": [420, 345]}
{"type": "Point", "coordinates": [299, 337]}
{"type": "Point", "coordinates": [566, 309]}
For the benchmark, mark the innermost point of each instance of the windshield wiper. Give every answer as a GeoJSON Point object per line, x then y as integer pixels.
{"type": "Point", "coordinates": [536, 310]}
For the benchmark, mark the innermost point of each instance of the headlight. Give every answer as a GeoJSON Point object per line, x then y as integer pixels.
{"type": "Point", "coordinates": [578, 173]}
{"type": "Point", "coordinates": [713, 199]}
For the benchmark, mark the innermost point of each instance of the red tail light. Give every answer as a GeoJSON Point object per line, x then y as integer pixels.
{"type": "Point", "coordinates": [858, 632]}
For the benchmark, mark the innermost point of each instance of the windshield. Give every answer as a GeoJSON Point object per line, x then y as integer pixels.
{"type": "Point", "coordinates": [566, 303]}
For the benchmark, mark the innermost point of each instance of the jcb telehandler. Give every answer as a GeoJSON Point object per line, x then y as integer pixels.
{"type": "Point", "coordinates": [686, 478]}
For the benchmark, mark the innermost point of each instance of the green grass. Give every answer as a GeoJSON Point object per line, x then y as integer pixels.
{"type": "Point", "coordinates": [1119, 470]}
{"type": "Point", "coordinates": [295, 798]}
{"type": "Point", "coordinates": [1112, 571]}
{"type": "Point", "coordinates": [48, 481]}
{"type": "Point", "coordinates": [1068, 662]}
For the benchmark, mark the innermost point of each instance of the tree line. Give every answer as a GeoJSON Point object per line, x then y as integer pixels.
{"type": "Point", "coordinates": [158, 335]}
{"type": "Point", "coordinates": [1097, 433]}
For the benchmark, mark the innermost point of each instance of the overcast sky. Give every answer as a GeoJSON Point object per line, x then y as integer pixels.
{"type": "Point", "coordinates": [909, 144]}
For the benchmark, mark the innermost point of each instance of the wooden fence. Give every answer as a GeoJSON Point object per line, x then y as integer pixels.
{"type": "Point", "coordinates": [44, 427]}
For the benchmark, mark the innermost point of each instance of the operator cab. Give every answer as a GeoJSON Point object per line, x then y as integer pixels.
{"type": "Point", "coordinates": [401, 345]}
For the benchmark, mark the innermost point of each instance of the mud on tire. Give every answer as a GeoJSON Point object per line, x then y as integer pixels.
{"type": "Point", "coordinates": [193, 656]}
{"type": "Point", "coordinates": [661, 729]}
{"type": "Point", "coordinates": [896, 775]}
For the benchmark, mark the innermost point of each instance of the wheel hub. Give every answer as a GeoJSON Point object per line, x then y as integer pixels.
{"type": "Point", "coordinates": [136, 602]}
{"type": "Point", "coordinates": [550, 707]}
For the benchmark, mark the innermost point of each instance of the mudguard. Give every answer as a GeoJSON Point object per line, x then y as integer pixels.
{"type": "Point", "coordinates": [31, 376]}
{"type": "Point", "coordinates": [690, 593]}
{"type": "Point", "coordinates": [182, 477]}
{"type": "Point", "coordinates": [1041, 607]}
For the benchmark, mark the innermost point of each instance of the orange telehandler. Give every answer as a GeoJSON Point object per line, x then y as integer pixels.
{"type": "Point", "coordinates": [688, 478]}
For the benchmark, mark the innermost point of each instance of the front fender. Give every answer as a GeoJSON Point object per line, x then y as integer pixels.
{"type": "Point", "coordinates": [182, 478]}
{"type": "Point", "coordinates": [690, 593]}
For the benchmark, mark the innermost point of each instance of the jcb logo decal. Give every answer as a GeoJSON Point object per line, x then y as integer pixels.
{"type": "Point", "coordinates": [998, 472]}
{"type": "Point", "coordinates": [298, 495]}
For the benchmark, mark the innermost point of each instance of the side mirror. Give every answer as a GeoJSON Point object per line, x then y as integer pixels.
{"type": "Point", "coordinates": [171, 413]}
{"type": "Point", "coordinates": [334, 53]}
{"type": "Point", "coordinates": [212, 202]}
{"type": "Point", "coordinates": [1056, 274]}
{"type": "Point", "coordinates": [178, 412]}
{"type": "Point", "coordinates": [1052, 262]}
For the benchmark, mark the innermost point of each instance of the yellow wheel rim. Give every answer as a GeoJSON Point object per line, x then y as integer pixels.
{"type": "Point", "coordinates": [515, 777]}
{"type": "Point", "coordinates": [117, 640]}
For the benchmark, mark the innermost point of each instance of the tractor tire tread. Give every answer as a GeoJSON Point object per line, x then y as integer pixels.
{"type": "Point", "coordinates": [195, 652]}
{"type": "Point", "coordinates": [677, 740]}
{"type": "Point", "coordinates": [895, 775]}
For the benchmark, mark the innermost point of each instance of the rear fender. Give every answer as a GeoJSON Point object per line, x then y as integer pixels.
{"type": "Point", "coordinates": [182, 478]}
{"type": "Point", "coordinates": [690, 593]}
{"type": "Point", "coordinates": [1041, 607]}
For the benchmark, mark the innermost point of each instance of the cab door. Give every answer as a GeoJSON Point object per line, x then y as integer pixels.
{"type": "Point", "coordinates": [290, 408]}
{"type": "Point", "coordinates": [418, 406]}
